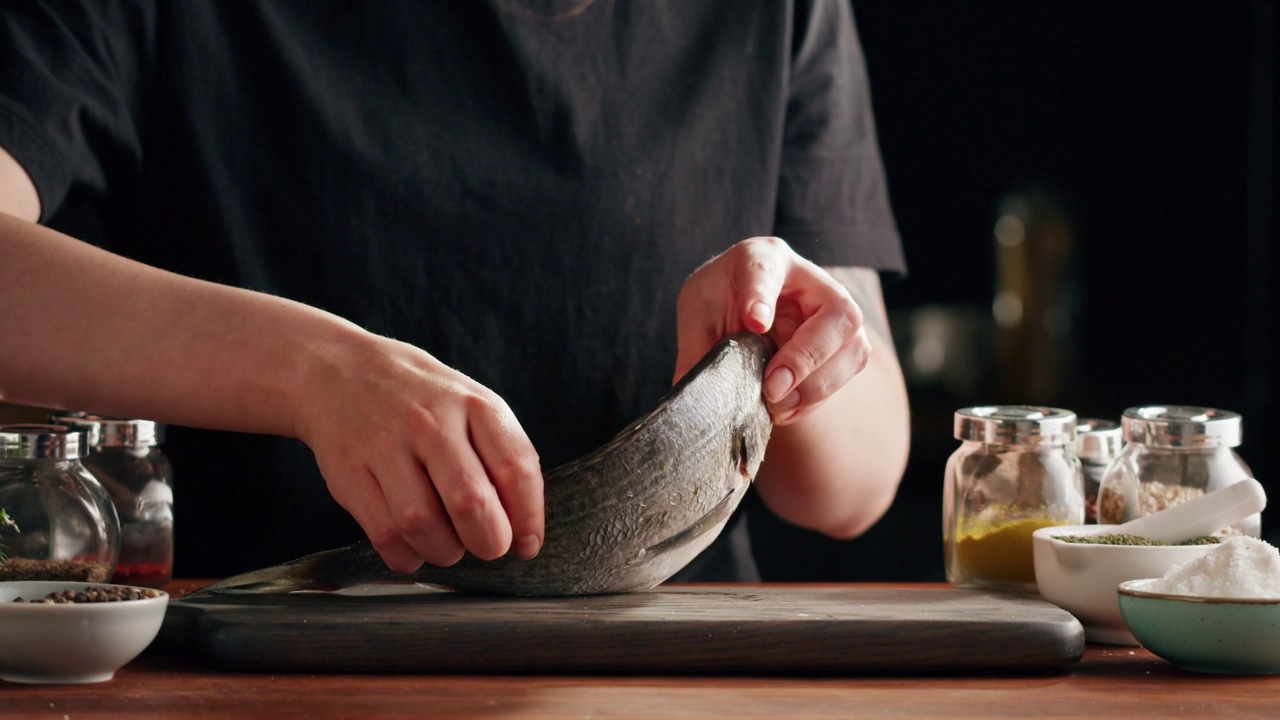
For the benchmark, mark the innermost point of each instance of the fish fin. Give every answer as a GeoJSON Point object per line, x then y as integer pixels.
{"type": "Point", "coordinates": [718, 514]}
{"type": "Point", "coordinates": [325, 571]}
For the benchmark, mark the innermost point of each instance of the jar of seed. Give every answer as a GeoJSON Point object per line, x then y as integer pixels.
{"type": "Point", "coordinates": [1098, 442]}
{"type": "Point", "coordinates": [127, 460]}
{"type": "Point", "coordinates": [56, 520]}
{"type": "Point", "coordinates": [1014, 473]}
{"type": "Point", "coordinates": [1173, 454]}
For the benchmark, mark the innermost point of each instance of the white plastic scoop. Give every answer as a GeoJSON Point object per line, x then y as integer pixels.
{"type": "Point", "coordinates": [1200, 516]}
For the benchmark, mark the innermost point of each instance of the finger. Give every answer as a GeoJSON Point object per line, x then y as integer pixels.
{"type": "Point", "coordinates": [780, 380]}
{"type": "Point", "coordinates": [758, 274]}
{"type": "Point", "coordinates": [417, 512]}
{"type": "Point", "coordinates": [470, 500]}
{"type": "Point", "coordinates": [823, 382]}
{"type": "Point", "coordinates": [816, 317]}
{"type": "Point", "coordinates": [831, 336]}
{"type": "Point", "coordinates": [513, 467]}
{"type": "Point", "coordinates": [361, 496]}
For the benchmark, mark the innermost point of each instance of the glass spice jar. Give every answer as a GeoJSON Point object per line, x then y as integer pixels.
{"type": "Point", "coordinates": [1097, 444]}
{"type": "Point", "coordinates": [1173, 454]}
{"type": "Point", "coordinates": [58, 523]}
{"type": "Point", "coordinates": [127, 460]}
{"type": "Point", "coordinates": [1014, 473]}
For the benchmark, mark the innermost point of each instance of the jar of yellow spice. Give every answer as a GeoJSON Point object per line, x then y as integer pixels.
{"type": "Point", "coordinates": [1014, 473]}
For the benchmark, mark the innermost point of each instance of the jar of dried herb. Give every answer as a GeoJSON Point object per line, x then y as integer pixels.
{"type": "Point", "coordinates": [1173, 454]}
{"type": "Point", "coordinates": [1014, 473]}
{"type": "Point", "coordinates": [60, 524]}
{"type": "Point", "coordinates": [129, 463]}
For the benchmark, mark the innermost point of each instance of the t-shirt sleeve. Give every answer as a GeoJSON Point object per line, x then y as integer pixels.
{"type": "Point", "coordinates": [833, 201]}
{"type": "Point", "coordinates": [69, 94]}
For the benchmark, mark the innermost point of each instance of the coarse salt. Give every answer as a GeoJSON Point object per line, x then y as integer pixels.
{"type": "Point", "coordinates": [1239, 567]}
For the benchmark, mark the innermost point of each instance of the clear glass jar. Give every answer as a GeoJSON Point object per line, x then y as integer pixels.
{"type": "Point", "coordinates": [61, 524]}
{"type": "Point", "coordinates": [127, 460]}
{"type": "Point", "coordinates": [1173, 454]}
{"type": "Point", "coordinates": [1098, 442]}
{"type": "Point", "coordinates": [1014, 472]}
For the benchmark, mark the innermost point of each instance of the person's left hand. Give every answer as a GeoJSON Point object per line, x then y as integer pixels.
{"type": "Point", "coordinates": [763, 286]}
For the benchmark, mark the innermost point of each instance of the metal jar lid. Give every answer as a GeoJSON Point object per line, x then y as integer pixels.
{"type": "Point", "coordinates": [1181, 426]}
{"type": "Point", "coordinates": [1097, 441]}
{"type": "Point", "coordinates": [1016, 425]}
{"type": "Point", "coordinates": [26, 441]}
{"type": "Point", "coordinates": [107, 431]}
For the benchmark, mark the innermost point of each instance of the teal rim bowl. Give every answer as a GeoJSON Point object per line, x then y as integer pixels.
{"type": "Point", "coordinates": [1237, 636]}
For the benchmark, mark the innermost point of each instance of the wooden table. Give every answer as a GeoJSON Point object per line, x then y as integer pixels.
{"type": "Point", "coordinates": [1108, 682]}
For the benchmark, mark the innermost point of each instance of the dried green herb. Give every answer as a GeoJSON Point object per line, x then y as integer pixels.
{"type": "Point", "coordinates": [1124, 539]}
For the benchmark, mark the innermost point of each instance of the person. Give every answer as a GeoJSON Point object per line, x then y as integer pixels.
{"type": "Point", "coordinates": [382, 265]}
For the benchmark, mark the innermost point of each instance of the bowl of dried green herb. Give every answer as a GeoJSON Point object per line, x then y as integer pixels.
{"type": "Point", "coordinates": [1079, 567]}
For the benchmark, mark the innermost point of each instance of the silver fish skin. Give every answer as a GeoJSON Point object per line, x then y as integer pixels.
{"type": "Point", "coordinates": [626, 516]}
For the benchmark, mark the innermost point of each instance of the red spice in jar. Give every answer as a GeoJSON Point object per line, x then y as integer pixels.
{"type": "Point", "coordinates": [146, 574]}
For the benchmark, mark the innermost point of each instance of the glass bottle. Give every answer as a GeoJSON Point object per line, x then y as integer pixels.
{"type": "Point", "coordinates": [1013, 473]}
{"type": "Point", "coordinates": [1097, 444]}
{"type": "Point", "coordinates": [59, 524]}
{"type": "Point", "coordinates": [1173, 454]}
{"type": "Point", "coordinates": [127, 460]}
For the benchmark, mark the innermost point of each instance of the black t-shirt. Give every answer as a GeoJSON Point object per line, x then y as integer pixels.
{"type": "Point", "coordinates": [520, 195]}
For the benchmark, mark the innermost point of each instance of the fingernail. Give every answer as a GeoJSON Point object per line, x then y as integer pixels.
{"type": "Point", "coordinates": [778, 383]}
{"type": "Point", "coordinates": [784, 418]}
{"type": "Point", "coordinates": [761, 313]}
{"type": "Point", "coordinates": [787, 402]}
{"type": "Point", "coordinates": [528, 546]}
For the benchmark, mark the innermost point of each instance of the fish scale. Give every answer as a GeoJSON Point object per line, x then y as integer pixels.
{"type": "Point", "coordinates": [624, 517]}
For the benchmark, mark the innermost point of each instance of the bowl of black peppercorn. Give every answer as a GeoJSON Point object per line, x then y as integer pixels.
{"type": "Point", "coordinates": [56, 632]}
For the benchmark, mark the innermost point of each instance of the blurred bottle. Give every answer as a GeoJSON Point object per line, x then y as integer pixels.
{"type": "Point", "coordinates": [1035, 297]}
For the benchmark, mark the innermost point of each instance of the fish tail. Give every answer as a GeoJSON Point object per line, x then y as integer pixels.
{"type": "Point", "coordinates": [319, 572]}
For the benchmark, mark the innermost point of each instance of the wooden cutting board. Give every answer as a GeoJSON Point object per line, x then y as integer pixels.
{"type": "Point", "coordinates": [694, 629]}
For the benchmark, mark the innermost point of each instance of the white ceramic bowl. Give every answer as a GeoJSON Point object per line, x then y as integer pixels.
{"type": "Point", "coordinates": [72, 642]}
{"type": "Point", "coordinates": [1082, 578]}
{"type": "Point", "coordinates": [1204, 634]}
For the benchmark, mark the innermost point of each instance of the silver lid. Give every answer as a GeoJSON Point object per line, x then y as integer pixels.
{"type": "Point", "coordinates": [1181, 426]}
{"type": "Point", "coordinates": [1016, 425]}
{"type": "Point", "coordinates": [107, 431]}
{"type": "Point", "coordinates": [42, 442]}
{"type": "Point", "coordinates": [1098, 441]}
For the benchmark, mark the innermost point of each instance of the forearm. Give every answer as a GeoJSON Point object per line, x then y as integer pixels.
{"type": "Point", "coordinates": [837, 470]}
{"type": "Point", "coordinates": [86, 329]}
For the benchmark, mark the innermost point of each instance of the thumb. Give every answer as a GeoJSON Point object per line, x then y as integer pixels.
{"type": "Point", "coordinates": [758, 316]}
{"type": "Point", "coordinates": [758, 277]}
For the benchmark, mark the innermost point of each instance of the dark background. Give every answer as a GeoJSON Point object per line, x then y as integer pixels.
{"type": "Point", "coordinates": [1140, 136]}
{"type": "Point", "coordinates": [1142, 132]}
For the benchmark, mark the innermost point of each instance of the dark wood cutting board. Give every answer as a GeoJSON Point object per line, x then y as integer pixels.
{"type": "Point", "coordinates": [693, 629]}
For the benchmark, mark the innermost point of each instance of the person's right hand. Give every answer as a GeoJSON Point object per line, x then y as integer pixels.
{"type": "Point", "coordinates": [429, 462]}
